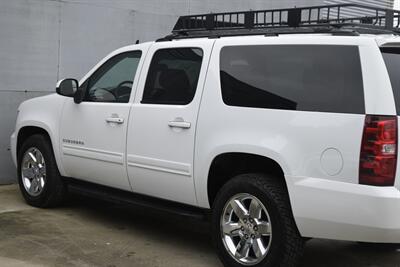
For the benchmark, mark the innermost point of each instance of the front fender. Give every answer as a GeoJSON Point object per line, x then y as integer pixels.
{"type": "Point", "coordinates": [44, 113]}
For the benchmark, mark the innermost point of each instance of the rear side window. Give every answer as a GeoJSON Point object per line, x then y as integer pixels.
{"type": "Point", "coordinates": [173, 76]}
{"type": "Point", "coordinates": [392, 60]}
{"type": "Point", "coordinates": [323, 78]}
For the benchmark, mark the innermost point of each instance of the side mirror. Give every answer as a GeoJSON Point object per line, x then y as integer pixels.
{"type": "Point", "coordinates": [70, 88]}
{"type": "Point", "coordinates": [78, 97]}
{"type": "Point", "coordinates": [67, 87]}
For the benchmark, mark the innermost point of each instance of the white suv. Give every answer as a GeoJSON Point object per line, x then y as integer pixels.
{"type": "Point", "coordinates": [284, 130]}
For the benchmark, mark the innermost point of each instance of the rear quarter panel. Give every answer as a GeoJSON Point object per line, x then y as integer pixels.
{"type": "Point", "coordinates": [296, 140]}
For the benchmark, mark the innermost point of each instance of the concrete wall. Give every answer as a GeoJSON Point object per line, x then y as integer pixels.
{"type": "Point", "coordinates": [45, 40]}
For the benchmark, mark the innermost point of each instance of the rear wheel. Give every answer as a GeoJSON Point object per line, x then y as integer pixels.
{"type": "Point", "coordinates": [253, 224]}
{"type": "Point", "coordinates": [39, 179]}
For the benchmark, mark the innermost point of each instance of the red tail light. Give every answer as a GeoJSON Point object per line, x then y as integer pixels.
{"type": "Point", "coordinates": [378, 158]}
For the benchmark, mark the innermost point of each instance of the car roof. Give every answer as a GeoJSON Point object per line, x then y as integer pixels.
{"type": "Point", "coordinates": [381, 39]}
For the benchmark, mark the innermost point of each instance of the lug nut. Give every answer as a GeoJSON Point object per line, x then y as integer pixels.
{"type": "Point", "coordinates": [253, 236]}
{"type": "Point", "coordinates": [255, 228]}
{"type": "Point", "coordinates": [242, 228]}
{"type": "Point", "coordinates": [251, 220]}
{"type": "Point", "coordinates": [245, 220]}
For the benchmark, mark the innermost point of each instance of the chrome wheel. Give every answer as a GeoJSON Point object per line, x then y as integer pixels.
{"type": "Point", "coordinates": [33, 171]}
{"type": "Point", "coordinates": [246, 229]}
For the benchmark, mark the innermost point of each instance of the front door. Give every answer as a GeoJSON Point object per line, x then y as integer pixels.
{"type": "Point", "coordinates": [162, 128]}
{"type": "Point", "coordinates": [93, 133]}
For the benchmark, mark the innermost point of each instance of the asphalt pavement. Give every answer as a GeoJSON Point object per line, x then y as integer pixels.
{"type": "Point", "coordinates": [85, 232]}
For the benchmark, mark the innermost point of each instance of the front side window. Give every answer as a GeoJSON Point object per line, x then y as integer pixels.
{"type": "Point", "coordinates": [323, 78]}
{"type": "Point", "coordinates": [173, 76]}
{"type": "Point", "coordinates": [113, 81]}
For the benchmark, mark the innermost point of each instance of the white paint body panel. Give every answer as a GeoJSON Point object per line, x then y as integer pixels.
{"type": "Point", "coordinates": [160, 157]}
{"type": "Point", "coordinates": [100, 157]}
{"type": "Point", "coordinates": [42, 112]}
{"type": "Point", "coordinates": [318, 152]}
{"type": "Point", "coordinates": [324, 205]}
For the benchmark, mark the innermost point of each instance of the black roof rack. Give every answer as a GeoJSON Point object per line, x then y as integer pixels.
{"type": "Point", "coordinates": [336, 19]}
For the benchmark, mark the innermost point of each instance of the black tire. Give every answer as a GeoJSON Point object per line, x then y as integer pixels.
{"type": "Point", "coordinates": [286, 245]}
{"type": "Point", "coordinates": [54, 190]}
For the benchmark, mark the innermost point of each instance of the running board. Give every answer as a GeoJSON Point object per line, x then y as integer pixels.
{"type": "Point", "coordinates": [128, 198]}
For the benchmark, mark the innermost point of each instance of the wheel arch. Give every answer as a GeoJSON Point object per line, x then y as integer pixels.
{"type": "Point", "coordinates": [27, 131]}
{"type": "Point", "coordinates": [31, 128]}
{"type": "Point", "coordinates": [227, 165]}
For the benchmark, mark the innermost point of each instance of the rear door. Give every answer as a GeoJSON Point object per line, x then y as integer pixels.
{"type": "Point", "coordinates": [162, 126]}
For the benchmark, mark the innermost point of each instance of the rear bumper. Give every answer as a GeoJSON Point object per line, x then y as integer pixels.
{"type": "Point", "coordinates": [343, 211]}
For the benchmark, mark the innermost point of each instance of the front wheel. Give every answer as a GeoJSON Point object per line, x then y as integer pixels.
{"type": "Point", "coordinates": [39, 179]}
{"type": "Point", "coordinates": [253, 223]}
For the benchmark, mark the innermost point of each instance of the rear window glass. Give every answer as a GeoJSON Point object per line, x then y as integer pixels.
{"type": "Point", "coordinates": [173, 76]}
{"type": "Point", "coordinates": [323, 78]}
{"type": "Point", "coordinates": [392, 60]}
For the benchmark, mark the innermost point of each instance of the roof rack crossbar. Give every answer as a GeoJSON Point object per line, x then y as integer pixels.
{"type": "Point", "coordinates": [358, 17]}
{"type": "Point", "coordinates": [389, 19]}
{"type": "Point", "coordinates": [291, 17]}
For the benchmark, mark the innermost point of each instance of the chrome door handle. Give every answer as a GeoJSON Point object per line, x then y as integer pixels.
{"type": "Point", "coordinates": [115, 120]}
{"type": "Point", "coordinates": [179, 124]}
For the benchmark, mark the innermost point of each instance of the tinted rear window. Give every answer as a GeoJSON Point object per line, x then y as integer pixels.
{"type": "Point", "coordinates": [322, 78]}
{"type": "Point", "coordinates": [173, 76]}
{"type": "Point", "coordinates": [392, 60]}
